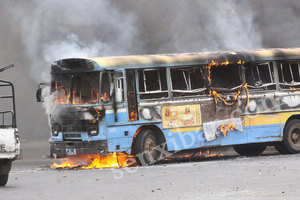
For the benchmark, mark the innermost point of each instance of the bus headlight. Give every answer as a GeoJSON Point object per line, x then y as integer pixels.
{"type": "Point", "coordinates": [93, 132]}
{"type": "Point", "coordinates": [55, 130]}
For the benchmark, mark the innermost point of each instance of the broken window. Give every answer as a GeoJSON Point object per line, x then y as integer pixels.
{"type": "Point", "coordinates": [260, 75]}
{"type": "Point", "coordinates": [61, 88]}
{"type": "Point", "coordinates": [289, 74]}
{"type": "Point", "coordinates": [119, 87]}
{"type": "Point", "coordinates": [133, 113]}
{"type": "Point", "coordinates": [187, 81]}
{"type": "Point", "coordinates": [295, 68]}
{"type": "Point", "coordinates": [225, 77]}
{"type": "Point", "coordinates": [86, 88]}
{"type": "Point", "coordinates": [152, 83]}
{"type": "Point", "coordinates": [105, 87]}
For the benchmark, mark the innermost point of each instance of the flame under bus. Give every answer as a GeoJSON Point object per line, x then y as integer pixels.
{"type": "Point", "coordinates": [185, 101]}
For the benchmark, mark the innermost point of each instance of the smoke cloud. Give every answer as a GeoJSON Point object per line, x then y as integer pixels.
{"type": "Point", "coordinates": [35, 33]}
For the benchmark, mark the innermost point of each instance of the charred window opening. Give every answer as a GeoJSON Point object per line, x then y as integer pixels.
{"type": "Point", "coordinates": [289, 74]}
{"type": "Point", "coordinates": [226, 77]}
{"type": "Point", "coordinates": [105, 87]}
{"type": "Point", "coordinates": [187, 81]}
{"type": "Point", "coordinates": [61, 88]}
{"type": "Point", "coordinates": [260, 75]}
{"type": "Point", "coordinates": [131, 95]}
{"type": "Point", "coordinates": [265, 72]}
{"type": "Point", "coordinates": [85, 88]}
{"type": "Point", "coordinates": [295, 71]}
{"type": "Point", "coordinates": [119, 87]}
{"type": "Point", "coordinates": [153, 83]}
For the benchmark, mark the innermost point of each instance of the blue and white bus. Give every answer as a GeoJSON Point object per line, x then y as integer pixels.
{"type": "Point", "coordinates": [150, 105]}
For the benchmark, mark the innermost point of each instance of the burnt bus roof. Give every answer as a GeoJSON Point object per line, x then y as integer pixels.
{"type": "Point", "coordinates": [73, 65]}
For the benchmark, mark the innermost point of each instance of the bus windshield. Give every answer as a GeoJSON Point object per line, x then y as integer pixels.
{"type": "Point", "coordinates": [81, 88]}
{"type": "Point", "coordinates": [61, 88]}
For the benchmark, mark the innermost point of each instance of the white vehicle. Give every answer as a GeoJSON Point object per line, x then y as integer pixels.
{"type": "Point", "coordinates": [9, 135]}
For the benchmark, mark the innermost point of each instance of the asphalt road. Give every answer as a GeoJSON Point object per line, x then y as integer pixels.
{"type": "Point", "coordinates": [269, 176]}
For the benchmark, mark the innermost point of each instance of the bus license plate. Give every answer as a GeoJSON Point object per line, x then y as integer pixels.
{"type": "Point", "coordinates": [71, 152]}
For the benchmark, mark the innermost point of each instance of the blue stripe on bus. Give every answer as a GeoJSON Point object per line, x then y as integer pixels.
{"type": "Point", "coordinates": [122, 136]}
{"type": "Point", "coordinates": [177, 141]}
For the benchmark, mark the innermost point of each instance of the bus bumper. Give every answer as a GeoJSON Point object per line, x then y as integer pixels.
{"type": "Point", "coordinates": [71, 148]}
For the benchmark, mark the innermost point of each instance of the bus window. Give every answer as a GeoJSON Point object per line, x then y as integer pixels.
{"type": "Point", "coordinates": [295, 68]}
{"type": "Point", "coordinates": [260, 75]}
{"type": "Point", "coordinates": [226, 77]}
{"type": "Point", "coordinates": [152, 83]}
{"type": "Point", "coordinates": [61, 88]}
{"type": "Point", "coordinates": [187, 81]}
{"type": "Point", "coordinates": [251, 76]}
{"type": "Point", "coordinates": [105, 87]}
{"type": "Point", "coordinates": [85, 88]}
{"type": "Point", "coordinates": [131, 95]}
{"type": "Point", "coordinates": [119, 87]}
{"type": "Point", "coordinates": [265, 73]}
{"type": "Point", "coordinates": [289, 72]}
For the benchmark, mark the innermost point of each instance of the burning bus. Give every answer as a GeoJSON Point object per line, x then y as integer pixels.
{"type": "Point", "coordinates": [9, 134]}
{"type": "Point", "coordinates": [151, 105]}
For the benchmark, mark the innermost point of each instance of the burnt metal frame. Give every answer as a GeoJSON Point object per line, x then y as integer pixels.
{"type": "Point", "coordinates": [145, 85]}
{"type": "Point", "coordinates": [273, 79]}
{"type": "Point", "coordinates": [13, 112]}
{"type": "Point", "coordinates": [185, 69]}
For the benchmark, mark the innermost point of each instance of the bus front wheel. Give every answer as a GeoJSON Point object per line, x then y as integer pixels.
{"type": "Point", "coordinates": [146, 147]}
{"type": "Point", "coordinates": [250, 149]}
{"type": "Point", "coordinates": [291, 138]}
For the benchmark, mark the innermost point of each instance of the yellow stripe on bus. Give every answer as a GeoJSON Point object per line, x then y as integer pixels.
{"type": "Point", "coordinates": [176, 130]}
{"type": "Point", "coordinates": [251, 120]}
{"type": "Point", "coordinates": [266, 119]}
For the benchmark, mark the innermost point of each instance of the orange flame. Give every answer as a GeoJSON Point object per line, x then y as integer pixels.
{"type": "Point", "coordinates": [215, 93]}
{"type": "Point", "coordinates": [292, 88]}
{"type": "Point", "coordinates": [61, 98]}
{"type": "Point", "coordinates": [234, 99]}
{"type": "Point", "coordinates": [98, 112]}
{"type": "Point", "coordinates": [133, 116]}
{"type": "Point", "coordinates": [226, 128]}
{"type": "Point", "coordinates": [96, 161]}
{"type": "Point", "coordinates": [77, 100]}
{"type": "Point", "coordinates": [247, 94]}
{"type": "Point", "coordinates": [213, 63]}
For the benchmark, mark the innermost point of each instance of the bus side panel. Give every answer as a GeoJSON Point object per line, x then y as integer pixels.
{"type": "Point", "coordinates": [258, 129]}
{"type": "Point", "coordinates": [183, 138]}
{"type": "Point", "coordinates": [264, 128]}
{"type": "Point", "coordinates": [120, 138]}
{"type": "Point", "coordinates": [265, 133]}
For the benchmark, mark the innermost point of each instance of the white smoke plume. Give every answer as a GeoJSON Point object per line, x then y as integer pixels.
{"type": "Point", "coordinates": [52, 29]}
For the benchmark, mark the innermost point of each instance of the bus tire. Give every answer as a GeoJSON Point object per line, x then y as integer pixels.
{"type": "Point", "coordinates": [249, 149]}
{"type": "Point", "coordinates": [144, 147]}
{"type": "Point", "coordinates": [281, 149]}
{"type": "Point", "coordinates": [291, 138]}
{"type": "Point", "coordinates": [3, 179]}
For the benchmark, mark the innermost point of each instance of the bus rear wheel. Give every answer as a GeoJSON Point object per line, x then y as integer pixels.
{"type": "Point", "coordinates": [250, 149]}
{"type": "Point", "coordinates": [145, 147]}
{"type": "Point", "coordinates": [291, 138]}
